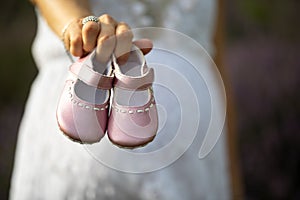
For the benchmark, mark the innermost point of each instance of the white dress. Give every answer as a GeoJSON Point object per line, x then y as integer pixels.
{"type": "Point", "coordinates": [50, 166]}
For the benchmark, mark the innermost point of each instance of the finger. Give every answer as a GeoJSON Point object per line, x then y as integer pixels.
{"type": "Point", "coordinates": [123, 42]}
{"type": "Point", "coordinates": [90, 32]}
{"type": "Point", "coordinates": [106, 39]}
{"type": "Point", "coordinates": [74, 38]}
{"type": "Point", "coordinates": [76, 44]}
{"type": "Point", "coordinates": [107, 19]}
{"type": "Point", "coordinates": [145, 45]}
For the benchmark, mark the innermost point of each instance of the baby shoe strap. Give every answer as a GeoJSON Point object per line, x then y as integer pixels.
{"type": "Point", "coordinates": [91, 77]}
{"type": "Point", "coordinates": [134, 83]}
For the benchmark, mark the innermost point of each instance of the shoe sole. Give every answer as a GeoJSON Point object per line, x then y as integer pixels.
{"type": "Point", "coordinates": [133, 146]}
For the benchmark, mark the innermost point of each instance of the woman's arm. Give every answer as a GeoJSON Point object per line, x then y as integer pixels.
{"type": "Point", "coordinates": [58, 13]}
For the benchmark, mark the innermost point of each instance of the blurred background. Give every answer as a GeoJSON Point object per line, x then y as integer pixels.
{"type": "Point", "coordinates": [262, 60]}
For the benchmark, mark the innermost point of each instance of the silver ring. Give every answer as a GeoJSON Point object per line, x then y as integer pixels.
{"type": "Point", "coordinates": [90, 19]}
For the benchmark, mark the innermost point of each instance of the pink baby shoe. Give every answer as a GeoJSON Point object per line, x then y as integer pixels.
{"type": "Point", "coordinates": [133, 120]}
{"type": "Point", "coordinates": [83, 107]}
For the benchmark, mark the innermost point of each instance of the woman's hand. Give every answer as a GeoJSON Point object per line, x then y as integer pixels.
{"type": "Point", "coordinates": [108, 36]}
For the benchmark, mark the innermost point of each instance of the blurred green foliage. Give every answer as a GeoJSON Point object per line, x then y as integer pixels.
{"type": "Point", "coordinates": [17, 69]}
{"type": "Point", "coordinates": [257, 10]}
{"type": "Point", "coordinates": [248, 18]}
